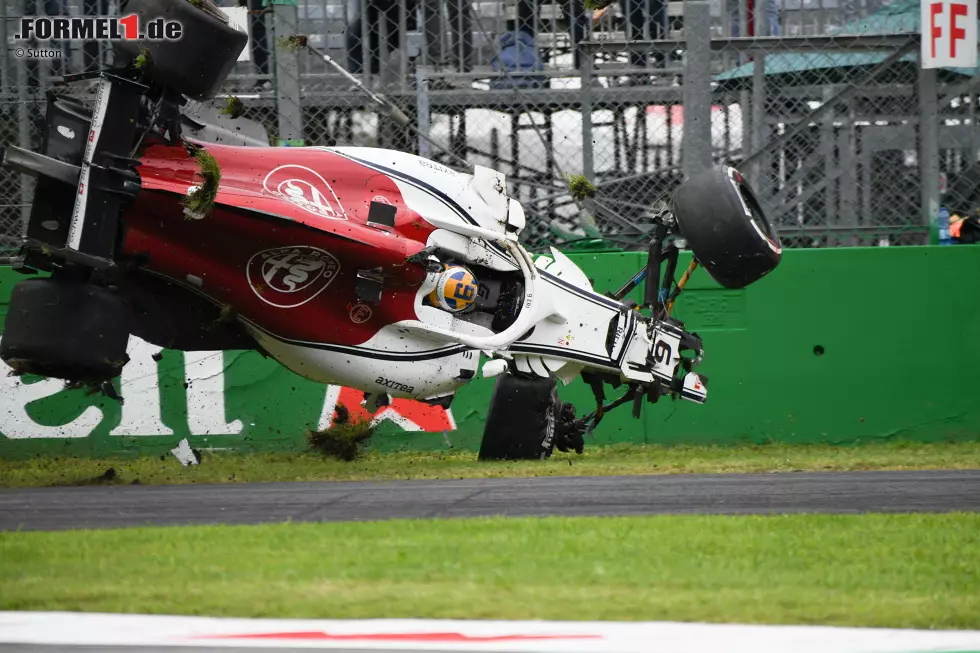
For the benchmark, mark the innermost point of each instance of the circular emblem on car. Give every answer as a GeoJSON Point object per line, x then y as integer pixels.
{"type": "Point", "coordinates": [287, 277]}
{"type": "Point", "coordinates": [360, 313]}
{"type": "Point", "coordinates": [306, 189]}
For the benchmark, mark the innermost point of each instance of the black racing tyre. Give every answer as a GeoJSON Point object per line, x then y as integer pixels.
{"type": "Point", "coordinates": [195, 65]}
{"type": "Point", "coordinates": [521, 421]}
{"type": "Point", "coordinates": [67, 330]}
{"type": "Point", "coordinates": [725, 227]}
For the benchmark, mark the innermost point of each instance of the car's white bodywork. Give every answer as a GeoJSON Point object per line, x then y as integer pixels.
{"type": "Point", "coordinates": [564, 325]}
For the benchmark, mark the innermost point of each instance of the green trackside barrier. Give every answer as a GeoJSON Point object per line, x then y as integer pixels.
{"type": "Point", "coordinates": [837, 345]}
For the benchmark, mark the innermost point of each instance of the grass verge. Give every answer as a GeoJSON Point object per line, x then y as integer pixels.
{"type": "Point", "coordinates": [620, 459]}
{"type": "Point", "coordinates": [869, 570]}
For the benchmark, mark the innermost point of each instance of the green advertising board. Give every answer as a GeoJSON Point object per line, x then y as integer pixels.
{"type": "Point", "coordinates": [837, 345]}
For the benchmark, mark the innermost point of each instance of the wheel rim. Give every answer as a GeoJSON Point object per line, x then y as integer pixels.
{"type": "Point", "coordinates": [757, 216]}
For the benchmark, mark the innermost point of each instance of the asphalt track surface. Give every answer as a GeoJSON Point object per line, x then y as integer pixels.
{"type": "Point", "coordinates": [790, 492]}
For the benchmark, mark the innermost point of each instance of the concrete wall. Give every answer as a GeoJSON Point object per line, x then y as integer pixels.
{"type": "Point", "coordinates": [837, 345]}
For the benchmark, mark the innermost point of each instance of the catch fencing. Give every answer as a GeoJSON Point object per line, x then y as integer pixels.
{"type": "Point", "coordinates": [821, 103]}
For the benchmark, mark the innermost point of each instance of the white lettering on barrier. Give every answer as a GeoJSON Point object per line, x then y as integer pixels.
{"type": "Point", "coordinates": [206, 394]}
{"type": "Point", "coordinates": [16, 423]}
{"type": "Point", "coordinates": [140, 389]}
{"type": "Point", "coordinates": [142, 411]}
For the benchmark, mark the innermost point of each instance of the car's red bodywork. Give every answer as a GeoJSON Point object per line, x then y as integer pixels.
{"type": "Point", "coordinates": [240, 252]}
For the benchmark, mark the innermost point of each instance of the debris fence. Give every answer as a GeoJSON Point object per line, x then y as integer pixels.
{"type": "Point", "coordinates": [821, 103]}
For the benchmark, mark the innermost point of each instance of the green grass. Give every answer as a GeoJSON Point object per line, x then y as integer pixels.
{"type": "Point", "coordinates": [621, 459]}
{"type": "Point", "coordinates": [201, 201]}
{"type": "Point", "coordinates": [869, 570]}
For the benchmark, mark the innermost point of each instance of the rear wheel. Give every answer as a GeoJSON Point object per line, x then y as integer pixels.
{"type": "Point", "coordinates": [195, 65]}
{"type": "Point", "coordinates": [65, 329]}
{"type": "Point", "coordinates": [723, 222]}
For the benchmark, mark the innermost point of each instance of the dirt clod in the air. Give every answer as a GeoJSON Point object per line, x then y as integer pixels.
{"type": "Point", "coordinates": [344, 438]}
{"type": "Point", "coordinates": [234, 107]}
{"type": "Point", "coordinates": [291, 43]}
{"type": "Point", "coordinates": [580, 187]}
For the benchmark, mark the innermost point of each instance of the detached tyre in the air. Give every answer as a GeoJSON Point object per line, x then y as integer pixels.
{"type": "Point", "coordinates": [195, 65]}
{"type": "Point", "coordinates": [725, 227]}
{"type": "Point", "coordinates": [521, 421]}
{"type": "Point", "coordinates": [67, 330]}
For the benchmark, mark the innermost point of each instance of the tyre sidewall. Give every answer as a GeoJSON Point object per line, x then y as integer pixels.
{"type": "Point", "coordinates": [729, 234]}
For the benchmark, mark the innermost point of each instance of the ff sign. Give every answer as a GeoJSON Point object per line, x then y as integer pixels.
{"type": "Point", "coordinates": [949, 33]}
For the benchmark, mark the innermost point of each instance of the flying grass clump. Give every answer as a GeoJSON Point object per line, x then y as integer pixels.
{"type": "Point", "coordinates": [343, 439]}
{"type": "Point", "coordinates": [291, 43]}
{"type": "Point", "coordinates": [199, 202]}
{"type": "Point", "coordinates": [234, 107]}
{"type": "Point", "coordinates": [593, 5]}
{"type": "Point", "coordinates": [142, 60]}
{"type": "Point", "coordinates": [580, 187]}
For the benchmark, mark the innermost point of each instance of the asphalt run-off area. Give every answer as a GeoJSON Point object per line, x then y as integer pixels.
{"type": "Point", "coordinates": [776, 493]}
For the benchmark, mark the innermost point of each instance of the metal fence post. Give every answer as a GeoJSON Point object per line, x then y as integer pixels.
{"type": "Point", "coordinates": [588, 165]}
{"type": "Point", "coordinates": [928, 142]}
{"type": "Point", "coordinates": [4, 58]}
{"type": "Point", "coordinates": [403, 45]}
{"type": "Point", "coordinates": [696, 152]}
{"type": "Point", "coordinates": [974, 132]}
{"type": "Point", "coordinates": [288, 105]}
{"type": "Point", "coordinates": [24, 138]}
{"type": "Point", "coordinates": [422, 101]}
{"type": "Point", "coordinates": [847, 147]}
{"type": "Point", "coordinates": [366, 44]}
{"type": "Point", "coordinates": [587, 216]}
{"type": "Point", "coordinates": [760, 171]}
{"type": "Point", "coordinates": [827, 138]}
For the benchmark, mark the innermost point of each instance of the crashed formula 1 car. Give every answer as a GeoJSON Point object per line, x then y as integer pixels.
{"type": "Point", "coordinates": [368, 268]}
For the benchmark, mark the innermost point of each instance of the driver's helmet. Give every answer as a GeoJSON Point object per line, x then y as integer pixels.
{"type": "Point", "coordinates": [455, 289]}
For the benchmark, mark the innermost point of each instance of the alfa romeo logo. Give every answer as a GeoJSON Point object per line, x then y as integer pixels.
{"type": "Point", "coordinates": [306, 189]}
{"type": "Point", "coordinates": [287, 277]}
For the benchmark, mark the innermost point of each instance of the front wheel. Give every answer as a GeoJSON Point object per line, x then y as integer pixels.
{"type": "Point", "coordinates": [521, 420]}
{"type": "Point", "coordinates": [723, 222]}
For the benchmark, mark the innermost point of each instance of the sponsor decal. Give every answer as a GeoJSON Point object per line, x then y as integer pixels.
{"type": "Point", "coordinates": [287, 277]}
{"type": "Point", "coordinates": [567, 340]}
{"type": "Point", "coordinates": [306, 189]}
{"type": "Point", "coordinates": [437, 166]}
{"type": "Point", "coordinates": [359, 313]}
{"type": "Point", "coordinates": [407, 414]}
{"type": "Point", "coordinates": [394, 385]}
{"type": "Point", "coordinates": [381, 199]}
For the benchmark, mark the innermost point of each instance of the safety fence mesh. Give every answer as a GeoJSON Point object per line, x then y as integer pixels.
{"type": "Point", "coordinates": [822, 104]}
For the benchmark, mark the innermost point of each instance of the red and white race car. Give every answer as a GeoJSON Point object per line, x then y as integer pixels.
{"type": "Point", "coordinates": [368, 268]}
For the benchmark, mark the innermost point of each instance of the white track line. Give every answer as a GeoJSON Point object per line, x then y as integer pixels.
{"type": "Point", "coordinates": [92, 629]}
